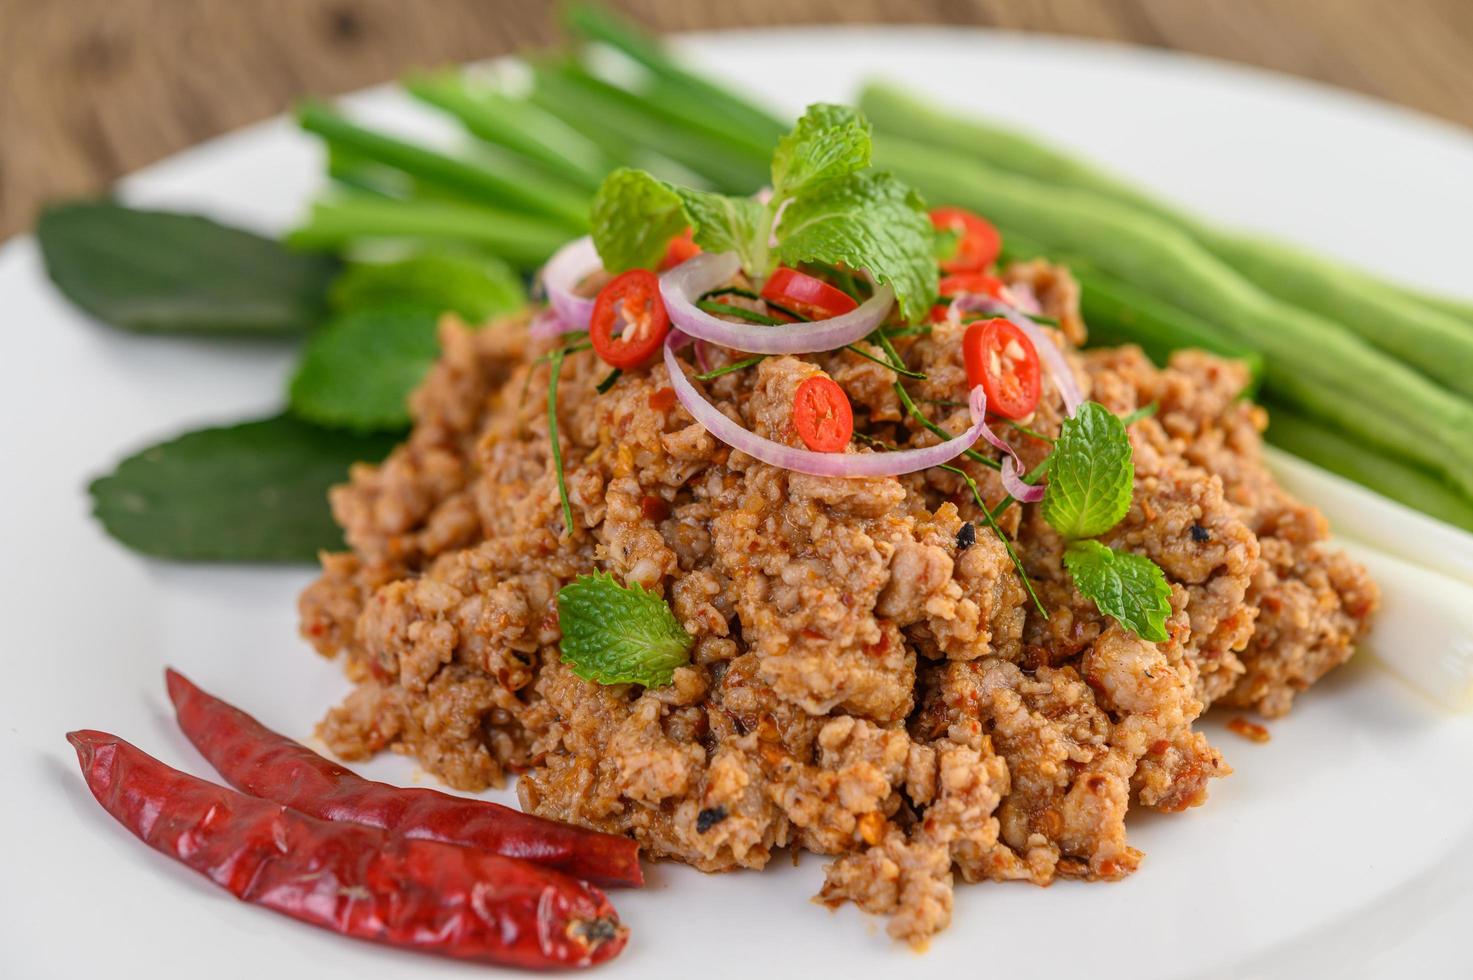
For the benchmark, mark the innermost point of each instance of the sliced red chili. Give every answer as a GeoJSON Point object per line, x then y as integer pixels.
{"type": "Point", "coordinates": [822, 415]}
{"type": "Point", "coordinates": [631, 300]}
{"type": "Point", "coordinates": [978, 243]}
{"type": "Point", "coordinates": [806, 295]}
{"type": "Point", "coordinates": [1002, 359]}
{"type": "Point", "coordinates": [681, 248]}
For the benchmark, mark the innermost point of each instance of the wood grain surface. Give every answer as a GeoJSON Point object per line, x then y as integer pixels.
{"type": "Point", "coordinates": [92, 89]}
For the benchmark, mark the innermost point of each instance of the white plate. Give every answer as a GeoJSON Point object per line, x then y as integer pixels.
{"type": "Point", "coordinates": [1344, 847]}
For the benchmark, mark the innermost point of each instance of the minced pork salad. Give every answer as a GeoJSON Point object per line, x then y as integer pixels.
{"type": "Point", "coordinates": [796, 521]}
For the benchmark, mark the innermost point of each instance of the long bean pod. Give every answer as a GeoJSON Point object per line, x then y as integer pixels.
{"type": "Point", "coordinates": [1372, 389]}
{"type": "Point", "coordinates": [1435, 333]}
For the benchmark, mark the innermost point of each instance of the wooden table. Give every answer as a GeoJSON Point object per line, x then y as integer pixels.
{"type": "Point", "coordinates": [91, 89]}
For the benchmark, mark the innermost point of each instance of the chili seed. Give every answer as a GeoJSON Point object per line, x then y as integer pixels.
{"type": "Point", "coordinates": [1200, 534]}
{"type": "Point", "coordinates": [966, 536]}
{"type": "Point", "coordinates": [709, 817]}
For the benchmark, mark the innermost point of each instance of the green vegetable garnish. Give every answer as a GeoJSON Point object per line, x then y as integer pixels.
{"type": "Point", "coordinates": [1091, 476]}
{"type": "Point", "coordinates": [160, 272]}
{"type": "Point", "coordinates": [476, 287]}
{"type": "Point", "coordinates": [250, 492]}
{"type": "Point", "coordinates": [358, 371]}
{"type": "Point", "coordinates": [614, 634]}
{"type": "Point", "coordinates": [825, 207]}
{"type": "Point", "coordinates": [1127, 587]}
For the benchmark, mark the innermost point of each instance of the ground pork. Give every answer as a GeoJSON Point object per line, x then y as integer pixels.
{"type": "Point", "coordinates": [869, 678]}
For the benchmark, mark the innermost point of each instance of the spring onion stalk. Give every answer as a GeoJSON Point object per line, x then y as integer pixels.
{"type": "Point", "coordinates": [473, 180]}
{"type": "Point", "coordinates": [1416, 488]}
{"type": "Point", "coordinates": [1372, 389]}
{"type": "Point", "coordinates": [1424, 629]}
{"type": "Point", "coordinates": [516, 125]}
{"type": "Point", "coordinates": [344, 220]}
{"type": "Point", "coordinates": [1434, 336]}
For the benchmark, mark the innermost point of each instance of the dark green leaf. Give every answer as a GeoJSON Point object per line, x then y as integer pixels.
{"type": "Point", "coordinates": [155, 271]}
{"type": "Point", "coordinates": [476, 287]}
{"type": "Point", "coordinates": [1127, 587]}
{"type": "Point", "coordinates": [358, 371]}
{"type": "Point", "coordinates": [250, 492]}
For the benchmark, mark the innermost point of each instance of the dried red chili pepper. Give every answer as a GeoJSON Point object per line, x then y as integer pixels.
{"type": "Point", "coordinates": [260, 762]}
{"type": "Point", "coordinates": [358, 881]}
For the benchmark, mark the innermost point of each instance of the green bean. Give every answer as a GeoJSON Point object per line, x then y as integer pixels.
{"type": "Point", "coordinates": [1434, 333]}
{"type": "Point", "coordinates": [517, 125]}
{"type": "Point", "coordinates": [591, 104]}
{"type": "Point", "coordinates": [1117, 313]}
{"type": "Point", "coordinates": [1329, 449]}
{"type": "Point", "coordinates": [599, 24]}
{"type": "Point", "coordinates": [1372, 389]}
{"type": "Point", "coordinates": [532, 195]}
{"type": "Point", "coordinates": [343, 220]}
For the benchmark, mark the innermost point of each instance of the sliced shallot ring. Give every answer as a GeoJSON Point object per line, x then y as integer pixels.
{"type": "Point", "coordinates": [546, 324]}
{"type": "Point", "coordinates": [1011, 475]}
{"type": "Point", "coordinates": [569, 266]}
{"type": "Point", "coordinates": [1058, 368]}
{"type": "Point", "coordinates": [849, 465]}
{"type": "Point", "coordinates": [683, 285]}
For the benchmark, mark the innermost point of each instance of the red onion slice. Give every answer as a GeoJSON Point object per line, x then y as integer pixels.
{"type": "Point", "coordinates": [683, 285]}
{"type": "Point", "coordinates": [1053, 358]}
{"type": "Point", "coordinates": [547, 324]}
{"type": "Point", "coordinates": [806, 461]}
{"type": "Point", "coordinates": [561, 275]}
{"type": "Point", "coordinates": [1012, 478]}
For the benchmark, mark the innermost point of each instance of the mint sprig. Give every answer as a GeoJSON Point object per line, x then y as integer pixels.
{"type": "Point", "coordinates": [1091, 474]}
{"type": "Point", "coordinates": [825, 207]}
{"type": "Point", "coordinates": [1090, 483]}
{"type": "Point", "coordinates": [614, 634]}
{"type": "Point", "coordinates": [1128, 587]}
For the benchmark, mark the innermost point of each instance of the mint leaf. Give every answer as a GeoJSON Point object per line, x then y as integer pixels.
{"type": "Point", "coordinates": [357, 372]}
{"type": "Point", "coordinates": [618, 635]}
{"type": "Point", "coordinates": [830, 141]}
{"type": "Point", "coordinates": [867, 221]}
{"type": "Point", "coordinates": [476, 287]}
{"type": "Point", "coordinates": [1127, 587]}
{"type": "Point", "coordinates": [250, 492]}
{"type": "Point", "coordinates": [729, 224]}
{"type": "Point", "coordinates": [634, 216]}
{"type": "Point", "coordinates": [1091, 474]}
{"type": "Point", "coordinates": [160, 272]}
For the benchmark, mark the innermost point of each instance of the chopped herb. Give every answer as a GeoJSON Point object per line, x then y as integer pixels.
{"type": "Point", "coordinates": [1200, 534]}
{"type": "Point", "coordinates": [903, 371]}
{"type": "Point", "coordinates": [554, 370]}
{"type": "Point", "coordinates": [1144, 412]}
{"type": "Point", "coordinates": [615, 634]}
{"type": "Point", "coordinates": [1030, 433]}
{"type": "Point", "coordinates": [741, 312]}
{"type": "Point", "coordinates": [916, 413]}
{"type": "Point", "coordinates": [608, 381]}
{"type": "Point", "coordinates": [732, 368]}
